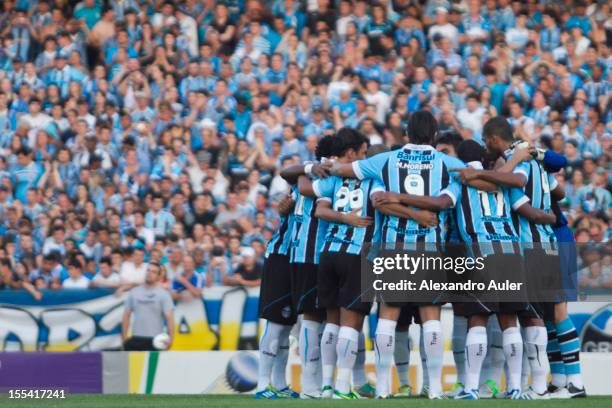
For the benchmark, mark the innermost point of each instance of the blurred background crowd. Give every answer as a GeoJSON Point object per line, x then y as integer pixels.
{"type": "Point", "coordinates": [134, 131]}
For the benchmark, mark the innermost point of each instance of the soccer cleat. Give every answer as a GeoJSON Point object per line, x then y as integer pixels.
{"type": "Point", "coordinates": [424, 391]}
{"type": "Point", "coordinates": [384, 396]}
{"type": "Point", "coordinates": [267, 393]}
{"type": "Point", "coordinates": [558, 392]}
{"type": "Point", "coordinates": [315, 395]}
{"type": "Point", "coordinates": [327, 392]}
{"type": "Point", "coordinates": [288, 393]}
{"type": "Point", "coordinates": [467, 395]}
{"type": "Point", "coordinates": [351, 395]}
{"type": "Point", "coordinates": [531, 394]}
{"type": "Point", "coordinates": [436, 396]}
{"type": "Point", "coordinates": [366, 391]}
{"type": "Point", "coordinates": [489, 389]}
{"type": "Point", "coordinates": [575, 392]}
{"type": "Point", "coordinates": [456, 390]}
{"type": "Point", "coordinates": [404, 391]}
{"type": "Point", "coordinates": [513, 394]}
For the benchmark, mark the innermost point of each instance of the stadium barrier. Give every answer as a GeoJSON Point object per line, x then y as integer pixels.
{"type": "Point", "coordinates": [90, 320]}
{"type": "Point", "coordinates": [224, 319]}
{"type": "Point", "coordinates": [197, 372]}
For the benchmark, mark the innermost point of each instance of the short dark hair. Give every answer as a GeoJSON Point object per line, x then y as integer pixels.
{"type": "Point", "coordinates": [498, 126]}
{"type": "Point", "coordinates": [350, 139]}
{"type": "Point", "coordinates": [451, 138]}
{"type": "Point", "coordinates": [75, 263]}
{"type": "Point", "coordinates": [328, 146]}
{"type": "Point", "coordinates": [470, 150]}
{"type": "Point", "coordinates": [422, 128]}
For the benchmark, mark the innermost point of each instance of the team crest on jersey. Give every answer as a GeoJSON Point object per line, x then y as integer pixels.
{"type": "Point", "coordinates": [286, 312]}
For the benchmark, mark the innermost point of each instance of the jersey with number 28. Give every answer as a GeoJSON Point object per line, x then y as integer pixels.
{"type": "Point", "coordinates": [348, 195]}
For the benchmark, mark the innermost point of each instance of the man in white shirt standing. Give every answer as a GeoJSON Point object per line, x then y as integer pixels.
{"type": "Point", "coordinates": [134, 271]}
{"type": "Point", "coordinates": [471, 116]}
{"type": "Point", "coordinates": [374, 96]}
{"type": "Point", "coordinates": [444, 28]}
{"type": "Point", "coordinates": [75, 280]}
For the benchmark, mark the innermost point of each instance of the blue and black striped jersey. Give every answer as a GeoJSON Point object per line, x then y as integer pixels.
{"type": "Point", "coordinates": [537, 193]}
{"type": "Point", "coordinates": [308, 232]}
{"type": "Point", "coordinates": [484, 220]}
{"type": "Point", "coordinates": [348, 195]}
{"type": "Point", "coordinates": [280, 241]}
{"type": "Point", "coordinates": [418, 170]}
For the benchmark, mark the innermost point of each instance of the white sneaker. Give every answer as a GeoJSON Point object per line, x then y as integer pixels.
{"type": "Point", "coordinates": [531, 394]}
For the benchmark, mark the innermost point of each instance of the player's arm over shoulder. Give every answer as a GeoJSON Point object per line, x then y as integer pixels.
{"type": "Point", "coordinates": [521, 204]}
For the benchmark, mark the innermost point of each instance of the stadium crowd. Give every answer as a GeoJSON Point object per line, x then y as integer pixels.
{"type": "Point", "coordinates": [134, 131]}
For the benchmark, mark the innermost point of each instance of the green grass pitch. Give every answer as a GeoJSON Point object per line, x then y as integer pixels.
{"type": "Point", "coordinates": [239, 401]}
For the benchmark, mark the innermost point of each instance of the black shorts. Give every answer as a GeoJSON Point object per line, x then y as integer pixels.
{"type": "Point", "coordinates": [540, 310]}
{"type": "Point", "coordinates": [304, 289]}
{"type": "Point", "coordinates": [409, 314]}
{"type": "Point", "coordinates": [498, 267]}
{"type": "Point", "coordinates": [543, 274]}
{"type": "Point", "coordinates": [339, 282]}
{"type": "Point", "coordinates": [137, 343]}
{"type": "Point", "coordinates": [275, 302]}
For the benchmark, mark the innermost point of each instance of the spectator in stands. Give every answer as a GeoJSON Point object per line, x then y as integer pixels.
{"type": "Point", "coordinates": [76, 279]}
{"type": "Point", "coordinates": [138, 133]}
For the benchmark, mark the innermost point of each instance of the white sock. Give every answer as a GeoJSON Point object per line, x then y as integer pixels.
{"type": "Point", "coordinates": [319, 366]}
{"type": "Point", "coordinates": [423, 360]}
{"type": "Point", "coordinates": [513, 350]}
{"type": "Point", "coordinates": [359, 375]}
{"type": "Point", "coordinates": [401, 355]}
{"type": "Point", "coordinates": [348, 344]}
{"type": "Point", "coordinates": [279, 370]}
{"type": "Point", "coordinates": [385, 345]}
{"type": "Point", "coordinates": [495, 353]}
{"type": "Point", "coordinates": [434, 350]}
{"type": "Point", "coordinates": [460, 328]}
{"type": "Point", "coordinates": [268, 349]}
{"type": "Point", "coordinates": [536, 339]}
{"type": "Point", "coordinates": [328, 352]}
{"type": "Point", "coordinates": [310, 353]}
{"type": "Point", "coordinates": [475, 352]}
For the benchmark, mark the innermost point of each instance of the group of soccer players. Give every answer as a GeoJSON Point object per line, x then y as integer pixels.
{"type": "Point", "coordinates": [501, 202]}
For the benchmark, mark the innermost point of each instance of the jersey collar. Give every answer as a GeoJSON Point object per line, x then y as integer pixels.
{"type": "Point", "coordinates": [418, 147]}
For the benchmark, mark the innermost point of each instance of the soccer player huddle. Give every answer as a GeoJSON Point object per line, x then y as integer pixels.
{"type": "Point", "coordinates": [499, 203]}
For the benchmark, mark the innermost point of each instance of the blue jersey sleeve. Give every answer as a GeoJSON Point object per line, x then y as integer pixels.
{"type": "Point", "coordinates": [376, 186]}
{"type": "Point", "coordinates": [372, 167]}
{"type": "Point", "coordinates": [453, 188]}
{"type": "Point", "coordinates": [324, 188]}
{"type": "Point", "coordinates": [517, 198]}
{"type": "Point", "coordinates": [523, 168]}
